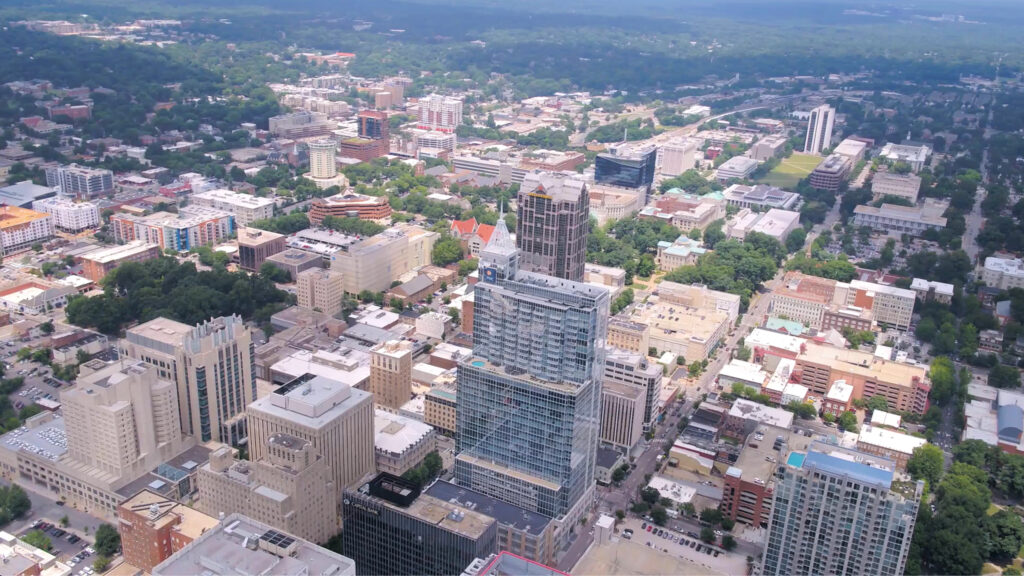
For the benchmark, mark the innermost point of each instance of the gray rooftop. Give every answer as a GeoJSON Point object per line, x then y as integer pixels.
{"type": "Point", "coordinates": [507, 514]}
{"type": "Point", "coordinates": [44, 437]}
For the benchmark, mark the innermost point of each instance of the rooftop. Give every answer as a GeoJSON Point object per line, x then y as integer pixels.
{"type": "Point", "coordinates": [889, 439]}
{"type": "Point", "coordinates": [394, 434]}
{"type": "Point", "coordinates": [14, 217]}
{"type": "Point", "coordinates": [506, 514]}
{"type": "Point", "coordinates": [761, 338]}
{"type": "Point", "coordinates": [234, 198]}
{"type": "Point", "coordinates": [311, 401]}
{"type": "Point", "coordinates": [449, 516]}
{"type": "Point", "coordinates": [746, 371]}
{"type": "Point", "coordinates": [160, 511]}
{"type": "Point", "coordinates": [834, 164]}
{"type": "Point", "coordinates": [241, 545]}
{"type": "Point", "coordinates": [850, 464]}
{"type": "Point", "coordinates": [738, 164]}
{"type": "Point", "coordinates": [863, 364]}
{"type": "Point", "coordinates": [256, 237]}
{"type": "Point", "coordinates": [117, 253]}
{"type": "Point", "coordinates": [748, 410]}
{"type": "Point", "coordinates": [929, 213]}
{"type": "Point", "coordinates": [42, 435]}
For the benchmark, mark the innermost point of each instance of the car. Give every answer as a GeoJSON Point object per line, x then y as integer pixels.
{"type": "Point", "coordinates": [59, 502]}
{"type": "Point", "coordinates": [627, 535]}
{"type": "Point", "coordinates": [719, 533]}
{"type": "Point", "coordinates": [73, 539]}
{"type": "Point", "coordinates": [649, 528]}
{"type": "Point", "coordinates": [708, 551]}
{"type": "Point", "coordinates": [643, 526]}
{"type": "Point", "coordinates": [700, 547]}
{"type": "Point", "coordinates": [716, 553]}
{"type": "Point", "coordinates": [693, 544]}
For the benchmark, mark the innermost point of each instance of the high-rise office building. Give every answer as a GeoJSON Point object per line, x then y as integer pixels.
{"type": "Point", "coordinates": [213, 367]}
{"type": "Point", "coordinates": [321, 159]}
{"type": "Point", "coordinates": [331, 415]}
{"type": "Point", "coordinates": [633, 369]}
{"type": "Point", "coordinates": [627, 166]}
{"type": "Point", "coordinates": [373, 125]}
{"type": "Point", "coordinates": [551, 227]}
{"type": "Point", "coordinates": [819, 129]}
{"type": "Point", "coordinates": [391, 373]}
{"type": "Point", "coordinates": [839, 511]}
{"type": "Point", "coordinates": [528, 412]}
{"type": "Point", "coordinates": [255, 246]}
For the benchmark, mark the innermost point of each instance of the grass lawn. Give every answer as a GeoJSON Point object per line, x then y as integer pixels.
{"type": "Point", "coordinates": [791, 170]}
{"type": "Point", "coordinates": [992, 509]}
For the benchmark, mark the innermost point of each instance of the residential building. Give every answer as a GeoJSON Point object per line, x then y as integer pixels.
{"type": "Point", "coordinates": [831, 173]}
{"type": "Point", "coordinates": [391, 373]}
{"type": "Point", "coordinates": [20, 228]}
{"type": "Point", "coordinates": [401, 443]}
{"type": "Point", "coordinates": [677, 156]}
{"type": "Point", "coordinates": [323, 164]}
{"type": "Point", "coordinates": [819, 129]}
{"type": "Point", "coordinates": [839, 511]}
{"type": "Point", "coordinates": [895, 446]}
{"type": "Point", "coordinates": [737, 167]}
{"type": "Point", "coordinates": [915, 156]}
{"type": "Point", "coordinates": [888, 304]}
{"type": "Point", "coordinates": [255, 246]}
{"type": "Point", "coordinates": [349, 205]}
{"type": "Point", "coordinates": [374, 263]}
{"type": "Point", "coordinates": [893, 184]}
{"type": "Point", "coordinates": [241, 545]}
{"type": "Point", "coordinates": [528, 409]}
{"type": "Point", "coordinates": [320, 289]}
{"type": "Point", "coordinates": [442, 113]}
{"type": "Point", "coordinates": [927, 290]}
{"type": "Point", "coordinates": [631, 368]}
{"type": "Point", "coordinates": [302, 124]}
{"type": "Point", "coordinates": [439, 408]}
{"type": "Point", "coordinates": [69, 216]}
{"type": "Point", "coordinates": [80, 182]}
{"type": "Point", "coordinates": [191, 227]}
{"type": "Point", "coordinates": [895, 219]}
{"type": "Point", "coordinates": [613, 202]}
{"type": "Point", "coordinates": [627, 166]}
{"type": "Point", "coordinates": [685, 211]}
{"type": "Point", "coordinates": [1003, 273]}
{"type": "Point", "coordinates": [760, 196]}
{"type": "Point", "coordinates": [212, 367]}
{"type": "Point", "coordinates": [246, 207]}
{"type": "Point", "coordinates": [290, 489]}
{"type": "Point", "coordinates": [552, 225]}
{"type": "Point", "coordinates": [153, 527]}
{"type": "Point", "coordinates": [391, 527]}
{"type": "Point", "coordinates": [904, 386]}
{"type": "Point", "coordinates": [96, 264]}
{"type": "Point", "coordinates": [520, 531]}
{"type": "Point", "coordinates": [622, 414]}
{"type": "Point", "coordinates": [295, 262]}
{"type": "Point", "coordinates": [334, 417]}
{"type": "Point", "coordinates": [768, 147]}
{"type": "Point", "coordinates": [774, 223]}
{"type": "Point", "coordinates": [683, 252]}
{"type": "Point", "coordinates": [749, 482]}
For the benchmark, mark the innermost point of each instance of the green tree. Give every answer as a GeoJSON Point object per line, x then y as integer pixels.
{"type": "Point", "coordinates": [274, 273]}
{"type": "Point", "coordinates": [101, 564]}
{"type": "Point", "coordinates": [848, 421]}
{"type": "Point", "coordinates": [695, 369]}
{"type": "Point", "coordinates": [877, 403]}
{"type": "Point", "coordinates": [64, 521]}
{"type": "Point", "coordinates": [46, 327]}
{"type": "Point", "coordinates": [659, 514]}
{"type": "Point", "coordinates": [108, 541]}
{"type": "Point", "coordinates": [711, 515]}
{"type": "Point", "coordinates": [650, 495]}
{"type": "Point", "coordinates": [38, 539]}
{"type": "Point", "coordinates": [743, 353]}
{"type": "Point", "coordinates": [1002, 376]}
{"type": "Point", "coordinates": [926, 463]}
{"type": "Point", "coordinates": [1005, 536]}
{"type": "Point", "coordinates": [707, 535]}
{"type": "Point", "coordinates": [796, 240]}
{"type": "Point", "coordinates": [728, 542]}
{"type": "Point", "coordinates": [446, 251]}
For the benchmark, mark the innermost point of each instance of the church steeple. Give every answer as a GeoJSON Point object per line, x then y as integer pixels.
{"type": "Point", "coordinates": [499, 259]}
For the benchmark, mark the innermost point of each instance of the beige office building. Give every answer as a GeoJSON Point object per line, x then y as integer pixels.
{"type": "Point", "coordinates": [622, 414]}
{"type": "Point", "coordinates": [401, 443]}
{"type": "Point", "coordinates": [391, 373]}
{"type": "Point", "coordinates": [372, 264]}
{"type": "Point", "coordinates": [334, 417]}
{"type": "Point", "coordinates": [320, 289]}
{"type": "Point", "coordinates": [212, 365]}
{"type": "Point", "coordinates": [291, 489]}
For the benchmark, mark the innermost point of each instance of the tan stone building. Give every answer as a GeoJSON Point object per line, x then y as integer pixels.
{"type": "Point", "coordinates": [401, 443]}
{"type": "Point", "coordinates": [391, 373]}
{"type": "Point", "coordinates": [372, 264]}
{"type": "Point", "coordinates": [320, 289]}
{"type": "Point", "coordinates": [622, 414]}
{"type": "Point", "coordinates": [439, 409]}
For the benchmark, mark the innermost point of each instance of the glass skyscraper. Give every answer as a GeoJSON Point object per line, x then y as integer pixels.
{"type": "Point", "coordinates": [528, 415]}
{"type": "Point", "coordinates": [628, 167]}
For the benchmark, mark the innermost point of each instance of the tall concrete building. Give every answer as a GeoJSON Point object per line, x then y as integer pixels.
{"type": "Point", "coordinates": [622, 414]}
{"type": "Point", "coordinates": [332, 416]}
{"type": "Point", "coordinates": [122, 419]}
{"type": "Point", "coordinates": [442, 113]}
{"type": "Point", "coordinates": [213, 367]}
{"type": "Point", "coordinates": [391, 373]}
{"type": "Point", "coordinates": [373, 263]}
{"type": "Point", "coordinates": [839, 511]}
{"type": "Point", "coordinates": [255, 246]}
{"type": "Point", "coordinates": [677, 156]}
{"type": "Point", "coordinates": [528, 412]}
{"type": "Point", "coordinates": [322, 163]}
{"type": "Point", "coordinates": [819, 129]}
{"type": "Point", "coordinates": [80, 182]}
{"type": "Point", "coordinates": [551, 227]}
{"type": "Point", "coordinates": [291, 489]}
{"type": "Point", "coordinates": [320, 289]}
{"type": "Point", "coordinates": [633, 369]}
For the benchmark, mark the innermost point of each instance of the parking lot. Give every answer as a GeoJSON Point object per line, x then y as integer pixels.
{"type": "Point", "coordinates": [684, 545]}
{"type": "Point", "coordinates": [67, 544]}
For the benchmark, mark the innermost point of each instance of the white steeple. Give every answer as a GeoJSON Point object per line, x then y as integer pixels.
{"type": "Point", "coordinates": [500, 257]}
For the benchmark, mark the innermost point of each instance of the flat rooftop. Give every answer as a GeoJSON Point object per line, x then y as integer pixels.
{"type": "Point", "coordinates": [46, 439]}
{"type": "Point", "coordinates": [890, 440]}
{"type": "Point", "coordinates": [507, 514]}
{"type": "Point", "coordinates": [161, 331]}
{"type": "Point", "coordinates": [760, 413]}
{"type": "Point", "coordinates": [849, 464]}
{"type": "Point", "coordinates": [311, 401]}
{"type": "Point", "coordinates": [863, 364]}
{"type": "Point", "coordinates": [394, 434]}
{"type": "Point", "coordinates": [193, 522]}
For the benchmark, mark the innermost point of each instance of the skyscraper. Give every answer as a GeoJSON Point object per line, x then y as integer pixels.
{"type": "Point", "coordinates": [528, 413]}
{"type": "Point", "coordinates": [213, 366]}
{"type": "Point", "coordinates": [819, 129]}
{"type": "Point", "coordinates": [839, 511]}
{"type": "Point", "coordinates": [551, 227]}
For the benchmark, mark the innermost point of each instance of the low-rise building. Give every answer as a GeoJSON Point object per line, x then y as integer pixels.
{"type": "Point", "coordinates": [69, 216]}
{"type": "Point", "coordinates": [895, 219]}
{"type": "Point", "coordinates": [768, 147]}
{"type": "Point", "coordinates": [683, 252]}
{"type": "Point", "coordinates": [737, 167]}
{"type": "Point", "coordinates": [255, 246]}
{"type": "Point", "coordinates": [831, 172]}
{"type": "Point", "coordinates": [897, 185]}
{"type": "Point", "coordinates": [612, 278]}
{"type": "Point", "coordinates": [774, 223]}
{"type": "Point", "coordinates": [745, 416]}
{"type": "Point", "coordinates": [613, 203]}
{"type": "Point", "coordinates": [375, 262]}
{"type": "Point", "coordinates": [320, 289]}
{"type": "Point", "coordinates": [153, 527]}
{"type": "Point", "coordinates": [401, 443]}
{"type": "Point", "coordinates": [1003, 273]}
{"type": "Point", "coordinates": [246, 207]}
{"type": "Point", "coordinates": [760, 196]}
{"type": "Point", "coordinates": [685, 211]}
{"type": "Point", "coordinates": [851, 148]}
{"type": "Point", "coordinates": [928, 290]}
{"type": "Point", "coordinates": [96, 264]}
{"type": "Point", "coordinates": [904, 386]}
{"type": "Point", "coordinates": [295, 262]}
{"type": "Point", "coordinates": [349, 205]}
{"type": "Point", "coordinates": [439, 405]}
{"type": "Point", "coordinates": [890, 444]}
{"type": "Point", "coordinates": [914, 156]}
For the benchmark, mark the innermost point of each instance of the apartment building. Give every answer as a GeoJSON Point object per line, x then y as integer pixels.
{"type": "Point", "coordinates": [96, 264]}
{"type": "Point", "coordinates": [246, 207]}
{"type": "Point", "coordinates": [332, 416]}
{"type": "Point", "coordinates": [622, 414]}
{"type": "Point", "coordinates": [895, 219]}
{"type": "Point", "coordinates": [391, 373]}
{"type": "Point", "coordinates": [255, 246]}
{"type": "Point", "coordinates": [373, 263]}
{"type": "Point", "coordinates": [153, 527]}
{"type": "Point", "coordinates": [889, 305]}
{"type": "Point", "coordinates": [68, 216]}
{"type": "Point", "coordinates": [928, 290]}
{"type": "Point", "coordinates": [401, 443]}
{"type": "Point", "coordinates": [804, 298]}
{"type": "Point", "coordinates": [898, 185]}
{"type": "Point", "coordinates": [819, 129]}
{"type": "Point", "coordinates": [290, 489]}
{"type": "Point", "coordinates": [20, 228]}
{"type": "Point", "coordinates": [80, 182]}
{"type": "Point", "coordinates": [1003, 273]}
{"type": "Point", "coordinates": [349, 205]}
{"type": "Point", "coordinates": [212, 365]}
{"type": "Point", "coordinates": [191, 227]}
{"type": "Point", "coordinates": [320, 289]}
{"type": "Point", "coordinates": [437, 112]}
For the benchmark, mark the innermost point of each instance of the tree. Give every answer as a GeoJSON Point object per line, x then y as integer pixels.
{"type": "Point", "coordinates": [101, 564]}
{"type": "Point", "coordinates": [446, 251]}
{"type": "Point", "coordinates": [620, 515]}
{"type": "Point", "coordinates": [695, 369]}
{"type": "Point", "coordinates": [1005, 536]}
{"type": "Point", "coordinates": [659, 515]}
{"type": "Point", "coordinates": [711, 515]}
{"type": "Point", "coordinates": [64, 521]}
{"type": "Point", "coordinates": [620, 473]}
{"type": "Point", "coordinates": [877, 403]}
{"type": "Point", "coordinates": [743, 353]}
{"type": "Point", "coordinates": [1002, 376]}
{"type": "Point", "coordinates": [38, 539]}
{"type": "Point", "coordinates": [275, 274]}
{"type": "Point", "coordinates": [727, 524]}
{"type": "Point", "coordinates": [650, 495]}
{"type": "Point", "coordinates": [108, 541]}
{"type": "Point", "coordinates": [796, 240]}
{"type": "Point", "coordinates": [728, 542]}
{"type": "Point", "coordinates": [926, 463]}
{"type": "Point", "coordinates": [848, 421]}
{"type": "Point", "coordinates": [707, 535]}
{"type": "Point", "coordinates": [46, 327]}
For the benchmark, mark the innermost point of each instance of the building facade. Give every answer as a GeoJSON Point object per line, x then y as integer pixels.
{"type": "Point", "coordinates": [320, 289]}
{"type": "Point", "coordinates": [552, 225]}
{"type": "Point", "coordinates": [153, 527]}
{"type": "Point", "coordinates": [627, 166]}
{"type": "Point", "coordinates": [819, 129]}
{"type": "Point", "coordinates": [391, 373]}
{"type": "Point", "coordinates": [375, 262]}
{"type": "Point", "coordinates": [349, 205]}
{"type": "Point", "coordinates": [20, 228]}
{"type": "Point", "coordinates": [246, 207]}
{"type": "Point", "coordinates": [622, 414]}
{"type": "Point", "coordinates": [191, 227]}
{"type": "Point", "coordinates": [96, 264]}
{"type": "Point", "coordinates": [80, 182]}
{"type": "Point", "coordinates": [442, 113]}
{"type": "Point", "coordinates": [255, 246]}
{"type": "Point", "coordinates": [68, 216]}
